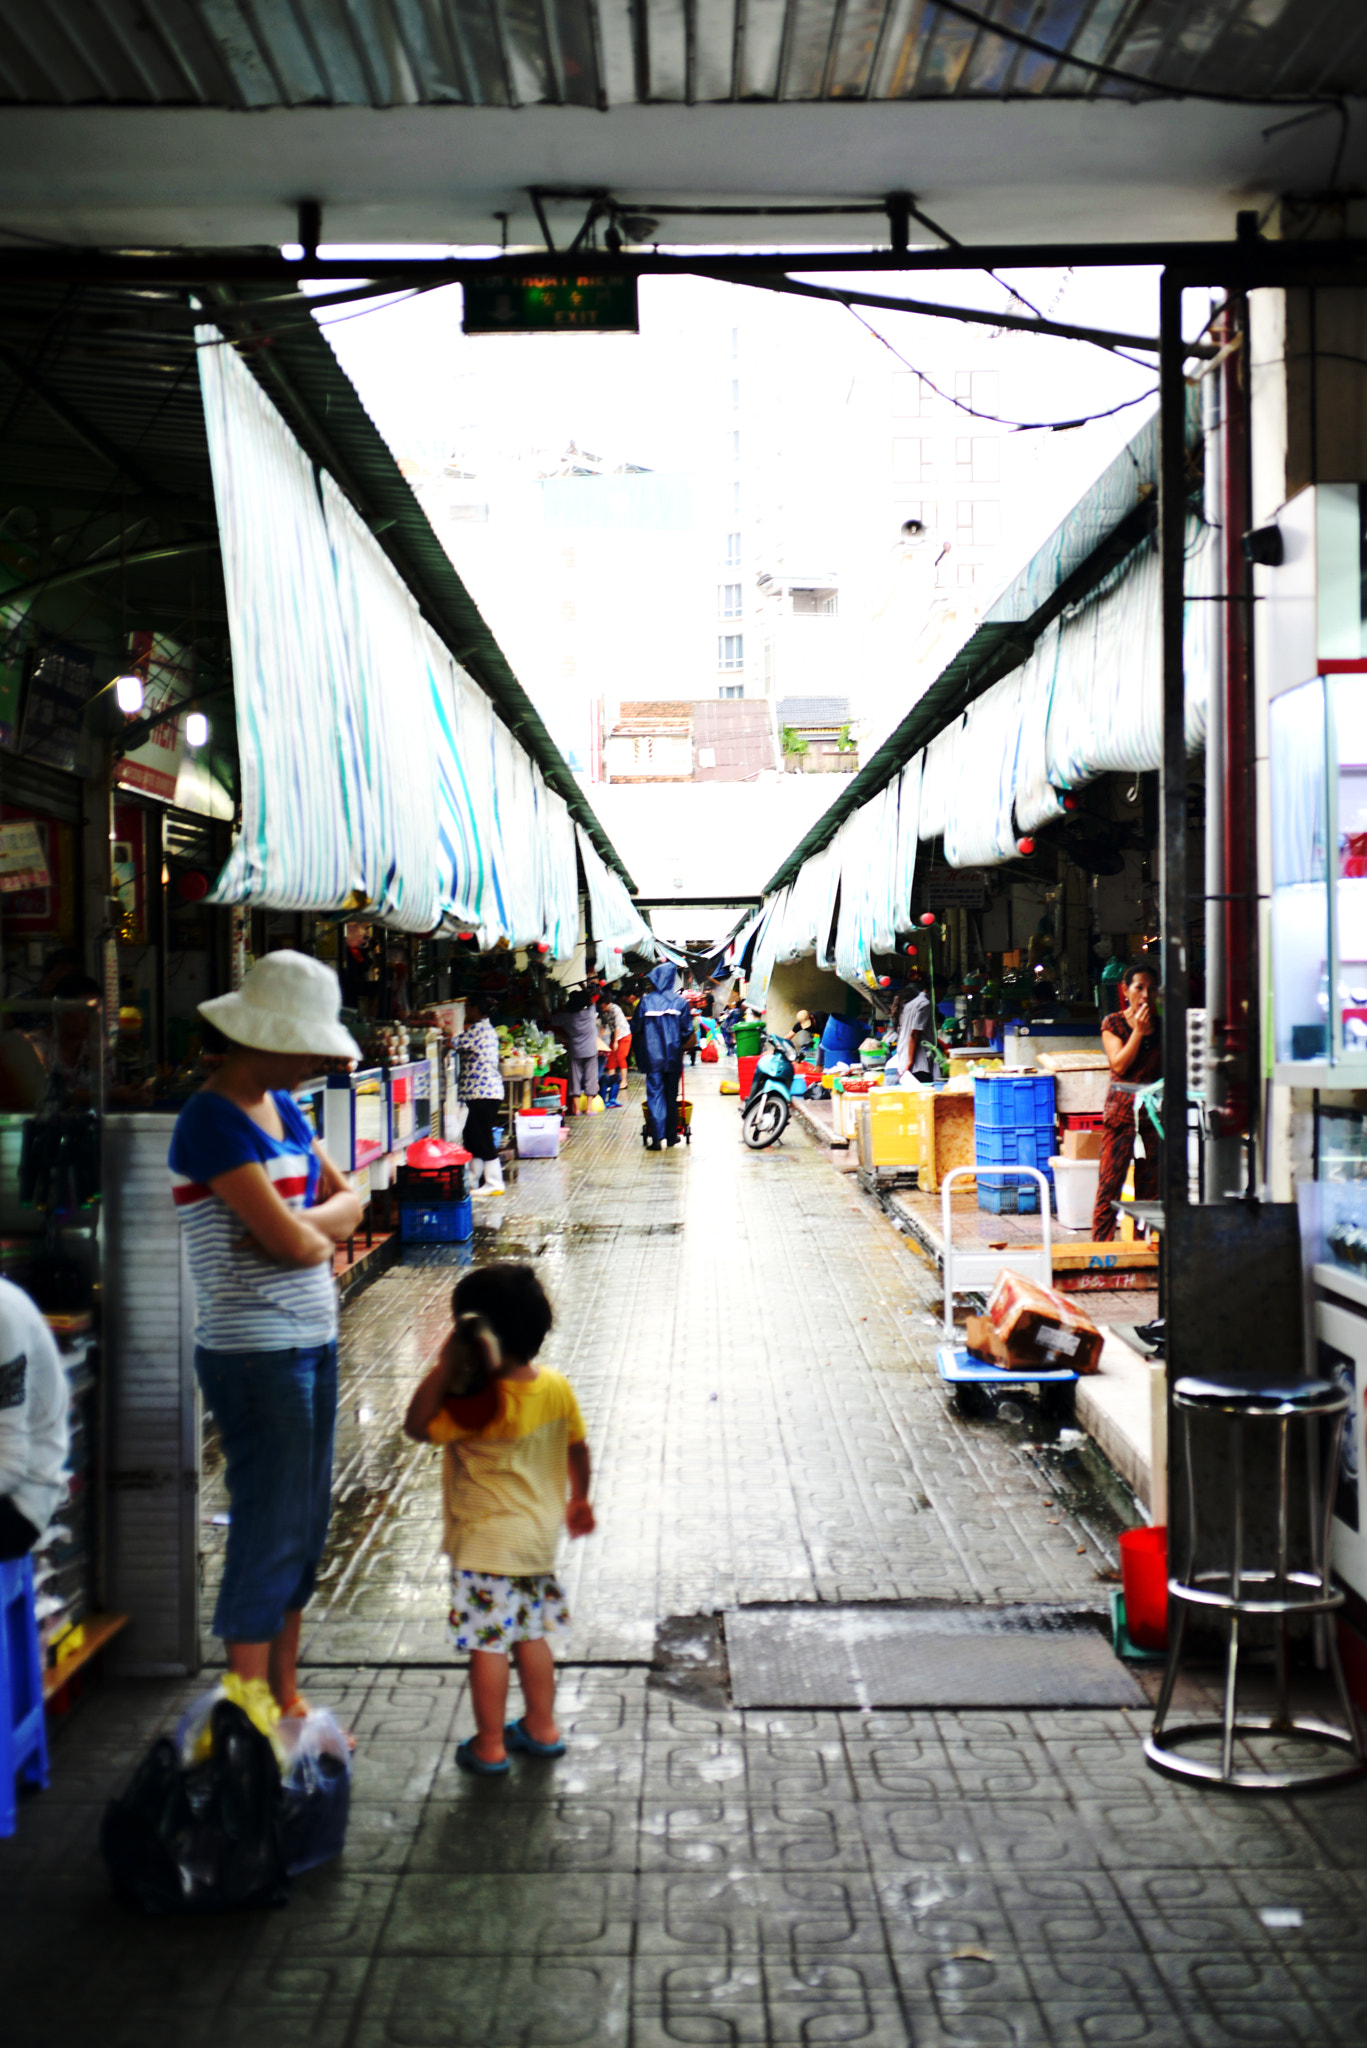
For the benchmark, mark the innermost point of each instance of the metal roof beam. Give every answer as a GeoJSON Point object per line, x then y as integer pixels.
{"type": "Point", "coordinates": [1248, 261]}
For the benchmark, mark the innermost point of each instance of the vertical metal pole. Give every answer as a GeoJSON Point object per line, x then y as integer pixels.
{"type": "Point", "coordinates": [1173, 919]}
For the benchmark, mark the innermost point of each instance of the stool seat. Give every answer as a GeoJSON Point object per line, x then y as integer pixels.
{"type": "Point", "coordinates": [1262, 1397]}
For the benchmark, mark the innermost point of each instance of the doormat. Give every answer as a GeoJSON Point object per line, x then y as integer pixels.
{"type": "Point", "coordinates": [880, 1656]}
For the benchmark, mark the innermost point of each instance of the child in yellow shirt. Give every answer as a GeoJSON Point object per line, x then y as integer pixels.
{"type": "Point", "coordinates": [515, 1446]}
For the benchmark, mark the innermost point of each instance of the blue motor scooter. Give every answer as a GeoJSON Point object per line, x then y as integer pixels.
{"type": "Point", "coordinates": [764, 1115]}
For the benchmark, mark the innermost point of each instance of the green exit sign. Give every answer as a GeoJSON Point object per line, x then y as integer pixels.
{"type": "Point", "coordinates": [561, 304]}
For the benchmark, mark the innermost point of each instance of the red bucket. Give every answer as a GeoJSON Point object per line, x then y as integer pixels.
{"type": "Point", "coordinates": [1144, 1580]}
{"type": "Point", "coordinates": [745, 1072]}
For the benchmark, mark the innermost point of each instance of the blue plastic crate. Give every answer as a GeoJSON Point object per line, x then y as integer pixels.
{"type": "Point", "coordinates": [436, 1222]}
{"type": "Point", "coordinates": [1001, 1101]}
{"type": "Point", "coordinates": [999, 1200]}
{"type": "Point", "coordinates": [1015, 1145]}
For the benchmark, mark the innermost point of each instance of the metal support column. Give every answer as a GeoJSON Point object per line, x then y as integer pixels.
{"type": "Point", "coordinates": [1173, 906]}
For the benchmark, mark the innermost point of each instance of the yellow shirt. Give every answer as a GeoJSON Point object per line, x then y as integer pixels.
{"type": "Point", "coordinates": [506, 1482]}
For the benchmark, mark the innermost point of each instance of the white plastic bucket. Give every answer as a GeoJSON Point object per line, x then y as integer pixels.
{"type": "Point", "coordinates": [1075, 1191]}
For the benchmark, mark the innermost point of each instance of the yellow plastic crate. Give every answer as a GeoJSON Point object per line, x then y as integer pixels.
{"type": "Point", "coordinates": [895, 1127]}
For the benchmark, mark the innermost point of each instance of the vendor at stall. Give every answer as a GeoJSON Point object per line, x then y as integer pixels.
{"type": "Point", "coordinates": [911, 1012]}
{"type": "Point", "coordinates": [480, 1088]}
{"type": "Point", "coordinates": [1135, 1051]}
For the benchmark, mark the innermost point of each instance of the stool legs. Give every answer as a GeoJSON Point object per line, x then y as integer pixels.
{"type": "Point", "coordinates": [1275, 1594]}
{"type": "Point", "coordinates": [1236, 1587]}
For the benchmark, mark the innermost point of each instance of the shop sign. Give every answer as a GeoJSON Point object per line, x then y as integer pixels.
{"type": "Point", "coordinates": [954, 888]}
{"type": "Point", "coordinates": [574, 303]}
{"type": "Point", "coordinates": [23, 859]}
{"type": "Point", "coordinates": [154, 767]}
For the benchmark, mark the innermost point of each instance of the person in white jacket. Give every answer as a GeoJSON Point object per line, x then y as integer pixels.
{"type": "Point", "coordinates": [34, 1399]}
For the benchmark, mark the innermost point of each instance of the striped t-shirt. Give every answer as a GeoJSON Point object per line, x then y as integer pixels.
{"type": "Point", "coordinates": [243, 1300]}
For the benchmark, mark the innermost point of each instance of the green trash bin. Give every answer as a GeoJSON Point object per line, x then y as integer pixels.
{"type": "Point", "coordinates": [749, 1039]}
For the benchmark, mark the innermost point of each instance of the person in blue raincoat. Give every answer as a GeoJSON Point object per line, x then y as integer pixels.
{"type": "Point", "coordinates": [664, 1029]}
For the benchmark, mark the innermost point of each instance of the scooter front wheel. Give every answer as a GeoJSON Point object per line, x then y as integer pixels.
{"type": "Point", "coordinates": [764, 1122]}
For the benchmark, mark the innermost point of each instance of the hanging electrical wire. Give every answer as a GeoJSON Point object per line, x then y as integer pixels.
{"type": "Point", "coordinates": [995, 419]}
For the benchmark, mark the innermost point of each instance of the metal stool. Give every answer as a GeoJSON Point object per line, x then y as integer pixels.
{"type": "Point", "coordinates": [1275, 1591]}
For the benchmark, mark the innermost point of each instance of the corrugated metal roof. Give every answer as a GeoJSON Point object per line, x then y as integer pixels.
{"type": "Point", "coordinates": [1107, 524]}
{"type": "Point", "coordinates": [813, 710]}
{"type": "Point", "coordinates": [599, 53]}
{"type": "Point", "coordinates": [101, 423]}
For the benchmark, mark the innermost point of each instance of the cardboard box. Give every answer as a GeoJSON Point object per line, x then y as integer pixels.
{"type": "Point", "coordinates": [1082, 1144]}
{"type": "Point", "coordinates": [1039, 1327]}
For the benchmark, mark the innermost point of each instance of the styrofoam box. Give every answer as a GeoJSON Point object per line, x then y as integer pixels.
{"type": "Point", "coordinates": [538, 1137]}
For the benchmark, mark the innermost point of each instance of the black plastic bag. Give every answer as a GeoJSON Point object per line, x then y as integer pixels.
{"type": "Point", "coordinates": [201, 1838]}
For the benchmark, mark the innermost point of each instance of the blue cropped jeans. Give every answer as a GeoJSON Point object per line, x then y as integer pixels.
{"type": "Point", "coordinates": [276, 1413]}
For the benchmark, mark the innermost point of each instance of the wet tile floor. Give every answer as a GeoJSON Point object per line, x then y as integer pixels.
{"type": "Point", "coordinates": [752, 1344]}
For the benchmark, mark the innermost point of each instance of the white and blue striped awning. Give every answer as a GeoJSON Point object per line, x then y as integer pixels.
{"type": "Point", "coordinates": [376, 775]}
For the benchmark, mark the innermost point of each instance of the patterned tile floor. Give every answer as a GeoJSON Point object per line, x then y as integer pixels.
{"type": "Point", "coordinates": [751, 1342]}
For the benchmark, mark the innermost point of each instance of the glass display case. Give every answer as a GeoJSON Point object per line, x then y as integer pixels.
{"type": "Point", "coordinates": [1317, 736]}
{"type": "Point", "coordinates": [410, 1103]}
{"type": "Point", "coordinates": [356, 1118]}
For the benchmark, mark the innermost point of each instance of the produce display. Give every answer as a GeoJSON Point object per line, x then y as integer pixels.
{"type": "Point", "coordinates": [521, 1044]}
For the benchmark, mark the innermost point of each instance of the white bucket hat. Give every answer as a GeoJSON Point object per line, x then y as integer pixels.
{"type": "Point", "coordinates": [288, 1003]}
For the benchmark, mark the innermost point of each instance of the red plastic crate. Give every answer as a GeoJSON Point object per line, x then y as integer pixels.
{"type": "Point", "coordinates": [1089, 1120]}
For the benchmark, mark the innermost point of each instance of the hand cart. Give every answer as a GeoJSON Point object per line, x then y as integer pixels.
{"type": "Point", "coordinates": [978, 1270]}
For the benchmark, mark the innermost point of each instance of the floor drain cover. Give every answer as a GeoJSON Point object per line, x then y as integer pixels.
{"type": "Point", "coordinates": [873, 1656]}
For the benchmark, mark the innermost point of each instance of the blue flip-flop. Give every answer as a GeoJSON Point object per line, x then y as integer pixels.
{"type": "Point", "coordinates": [468, 1761]}
{"type": "Point", "coordinates": [515, 1736]}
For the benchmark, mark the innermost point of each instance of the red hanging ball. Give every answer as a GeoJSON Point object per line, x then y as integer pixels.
{"type": "Point", "coordinates": [1025, 846]}
{"type": "Point", "coordinates": [192, 886]}
{"type": "Point", "coordinates": [928, 917]}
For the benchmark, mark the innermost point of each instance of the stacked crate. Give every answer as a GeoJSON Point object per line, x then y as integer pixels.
{"type": "Point", "coordinates": [1013, 1122]}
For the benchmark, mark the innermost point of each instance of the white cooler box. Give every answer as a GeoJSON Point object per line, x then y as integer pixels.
{"type": "Point", "coordinates": [538, 1134]}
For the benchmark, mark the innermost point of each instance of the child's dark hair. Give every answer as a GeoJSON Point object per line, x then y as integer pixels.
{"type": "Point", "coordinates": [512, 1302]}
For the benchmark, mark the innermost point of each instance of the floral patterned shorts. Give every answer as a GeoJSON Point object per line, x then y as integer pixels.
{"type": "Point", "coordinates": [493, 1613]}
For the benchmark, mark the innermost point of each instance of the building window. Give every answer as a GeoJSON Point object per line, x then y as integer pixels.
{"type": "Point", "coordinates": [735, 499]}
{"type": "Point", "coordinates": [735, 341]}
{"type": "Point", "coordinates": [978, 458]}
{"type": "Point", "coordinates": [735, 444]}
{"type": "Point", "coordinates": [978, 388]}
{"type": "Point", "coordinates": [728, 600]}
{"type": "Point", "coordinates": [913, 460]}
{"type": "Point", "coordinates": [731, 690]}
{"type": "Point", "coordinates": [829, 606]}
{"type": "Point", "coordinates": [735, 394]}
{"type": "Point", "coordinates": [912, 397]}
{"type": "Point", "coordinates": [730, 650]}
{"type": "Point", "coordinates": [733, 550]}
{"type": "Point", "coordinates": [979, 522]}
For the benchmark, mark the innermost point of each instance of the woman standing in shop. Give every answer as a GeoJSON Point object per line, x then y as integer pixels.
{"type": "Point", "coordinates": [1134, 1048]}
{"type": "Point", "coordinates": [261, 1208]}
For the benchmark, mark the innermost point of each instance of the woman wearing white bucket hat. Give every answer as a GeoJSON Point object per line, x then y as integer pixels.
{"type": "Point", "coordinates": [261, 1207]}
